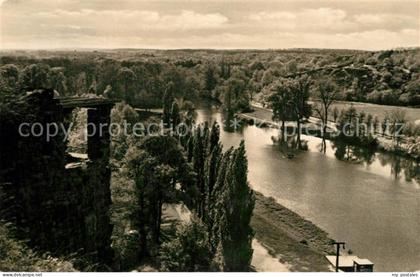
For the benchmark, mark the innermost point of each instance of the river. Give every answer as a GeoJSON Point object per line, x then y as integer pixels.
{"type": "Point", "coordinates": [369, 200]}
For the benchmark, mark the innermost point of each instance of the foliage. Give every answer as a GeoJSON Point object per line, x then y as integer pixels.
{"type": "Point", "coordinates": [238, 203]}
{"type": "Point", "coordinates": [280, 102]}
{"type": "Point", "coordinates": [16, 256]}
{"type": "Point", "coordinates": [168, 100]}
{"type": "Point", "coordinates": [290, 102]}
{"type": "Point", "coordinates": [156, 164]}
{"type": "Point", "coordinates": [327, 93]}
{"type": "Point", "coordinates": [189, 251]}
{"type": "Point", "coordinates": [234, 77]}
{"type": "Point", "coordinates": [175, 115]}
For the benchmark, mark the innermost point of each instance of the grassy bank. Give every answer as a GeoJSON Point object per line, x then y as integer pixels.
{"type": "Point", "coordinates": [380, 111]}
{"type": "Point", "coordinates": [412, 114]}
{"type": "Point", "coordinates": [289, 237]}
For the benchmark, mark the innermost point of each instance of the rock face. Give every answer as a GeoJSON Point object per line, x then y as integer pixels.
{"type": "Point", "coordinates": [61, 208]}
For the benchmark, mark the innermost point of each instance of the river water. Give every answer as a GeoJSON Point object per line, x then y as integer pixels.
{"type": "Point", "coordinates": [369, 200]}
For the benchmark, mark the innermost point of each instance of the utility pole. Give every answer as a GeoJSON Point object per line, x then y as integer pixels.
{"type": "Point", "coordinates": [337, 253]}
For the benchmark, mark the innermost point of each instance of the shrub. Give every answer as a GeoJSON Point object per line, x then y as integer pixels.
{"type": "Point", "coordinates": [189, 251]}
{"type": "Point", "coordinates": [16, 256]}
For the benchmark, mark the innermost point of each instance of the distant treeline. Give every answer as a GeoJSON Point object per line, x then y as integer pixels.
{"type": "Point", "coordinates": [234, 77]}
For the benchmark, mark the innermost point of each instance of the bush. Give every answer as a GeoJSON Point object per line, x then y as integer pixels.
{"type": "Point", "coordinates": [189, 251]}
{"type": "Point", "coordinates": [16, 256]}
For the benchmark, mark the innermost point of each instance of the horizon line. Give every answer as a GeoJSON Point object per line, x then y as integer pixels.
{"type": "Point", "coordinates": [198, 49]}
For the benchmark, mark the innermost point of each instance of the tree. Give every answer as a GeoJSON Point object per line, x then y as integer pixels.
{"type": "Point", "coordinates": [168, 99]}
{"type": "Point", "coordinates": [398, 120]}
{"type": "Point", "coordinates": [189, 113]}
{"type": "Point", "coordinates": [214, 137]}
{"type": "Point", "coordinates": [369, 123]}
{"type": "Point", "coordinates": [210, 80]}
{"type": "Point", "coordinates": [198, 160]}
{"type": "Point", "coordinates": [225, 70]}
{"type": "Point", "coordinates": [211, 171]}
{"type": "Point", "coordinates": [127, 78]}
{"type": "Point", "coordinates": [336, 113]}
{"type": "Point", "coordinates": [58, 80]}
{"type": "Point", "coordinates": [192, 87]}
{"type": "Point", "coordinates": [175, 75]}
{"type": "Point", "coordinates": [154, 186]}
{"type": "Point", "coordinates": [80, 83]}
{"type": "Point", "coordinates": [175, 116]}
{"type": "Point", "coordinates": [385, 124]}
{"type": "Point", "coordinates": [326, 93]}
{"type": "Point", "coordinates": [156, 164]}
{"type": "Point", "coordinates": [361, 126]}
{"type": "Point", "coordinates": [34, 76]}
{"type": "Point", "coordinates": [10, 74]}
{"type": "Point", "coordinates": [299, 101]}
{"type": "Point", "coordinates": [233, 95]}
{"type": "Point", "coordinates": [238, 203]}
{"type": "Point", "coordinates": [280, 100]}
{"type": "Point", "coordinates": [188, 251]}
{"type": "Point", "coordinates": [267, 77]}
{"type": "Point", "coordinates": [375, 124]}
{"type": "Point", "coordinates": [216, 204]}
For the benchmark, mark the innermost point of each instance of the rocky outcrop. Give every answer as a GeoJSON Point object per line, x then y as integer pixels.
{"type": "Point", "coordinates": [60, 207]}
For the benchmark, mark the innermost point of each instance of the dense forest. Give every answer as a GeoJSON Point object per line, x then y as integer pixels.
{"type": "Point", "coordinates": [233, 77]}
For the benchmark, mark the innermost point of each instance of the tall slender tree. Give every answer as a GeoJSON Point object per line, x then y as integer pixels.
{"type": "Point", "coordinates": [210, 80]}
{"type": "Point", "coordinates": [198, 160]}
{"type": "Point", "coordinates": [216, 211]}
{"type": "Point", "coordinates": [175, 116]}
{"type": "Point", "coordinates": [168, 99]}
{"type": "Point", "coordinates": [238, 205]}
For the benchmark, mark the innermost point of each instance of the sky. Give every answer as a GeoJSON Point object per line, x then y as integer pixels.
{"type": "Point", "coordinates": [228, 24]}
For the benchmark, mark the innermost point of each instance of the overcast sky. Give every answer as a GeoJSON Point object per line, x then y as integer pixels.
{"type": "Point", "coordinates": [355, 24]}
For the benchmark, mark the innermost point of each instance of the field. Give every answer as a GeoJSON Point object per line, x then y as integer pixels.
{"type": "Point", "coordinates": [413, 114]}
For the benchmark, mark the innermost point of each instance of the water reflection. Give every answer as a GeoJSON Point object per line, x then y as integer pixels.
{"type": "Point", "coordinates": [398, 165]}
{"type": "Point", "coordinates": [351, 153]}
{"type": "Point", "coordinates": [409, 168]}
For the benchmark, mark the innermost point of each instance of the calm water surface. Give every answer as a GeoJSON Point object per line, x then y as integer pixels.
{"type": "Point", "coordinates": [369, 200]}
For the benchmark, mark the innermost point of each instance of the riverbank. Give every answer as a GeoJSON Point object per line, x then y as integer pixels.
{"type": "Point", "coordinates": [289, 237]}
{"type": "Point", "coordinates": [262, 117]}
{"type": "Point", "coordinates": [292, 242]}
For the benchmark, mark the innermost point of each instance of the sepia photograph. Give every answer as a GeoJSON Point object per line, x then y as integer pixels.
{"type": "Point", "coordinates": [209, 136]}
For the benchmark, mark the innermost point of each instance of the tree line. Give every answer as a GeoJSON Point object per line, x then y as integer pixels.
{"type": "Point", "coordinates": [138, 83]}
{"type": "Point", "coordinates": [289, 100]}
{"type": "Point", "coordinates": [232, 77]}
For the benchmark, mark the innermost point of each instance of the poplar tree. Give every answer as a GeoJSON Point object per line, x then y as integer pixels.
{"type": "Point", "coordinates": [211, 171]}
{"type": "Point", "coordinates": [238, 204]}
{"type": "Point", "coordinates": [175, 117]}
{"type": "Point", "coordinates": [216, 203]}
{"type": "Point", "coordinates": [199, 157]}
{"type": "Point", "coordinates": [168, 99]}
{"type": "Point", "coordinates": [214, 136]}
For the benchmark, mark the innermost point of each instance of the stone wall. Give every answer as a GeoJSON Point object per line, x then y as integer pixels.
{"type": "Point", "coordinates": [60, 207]}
